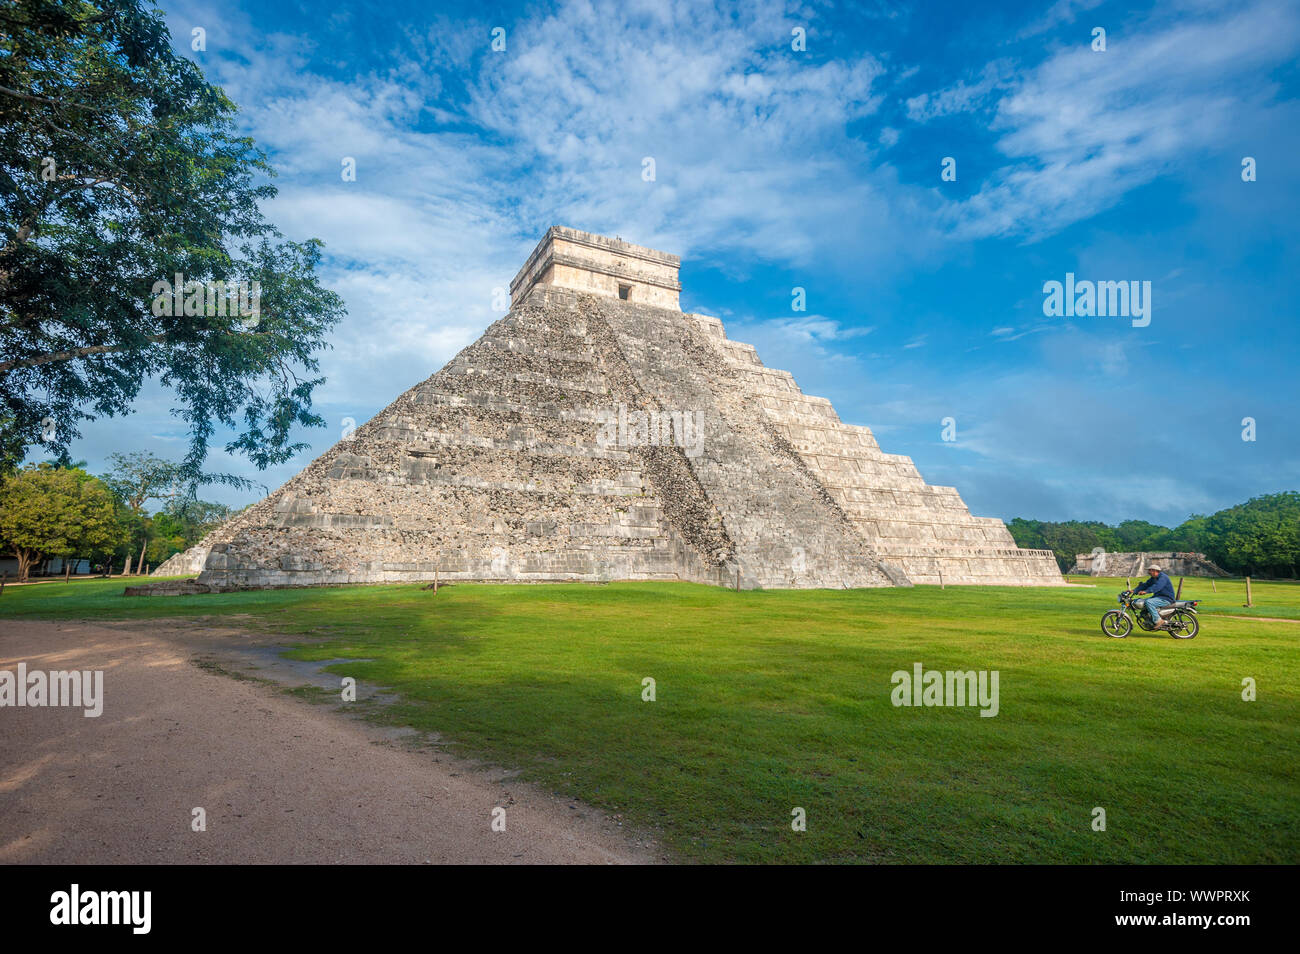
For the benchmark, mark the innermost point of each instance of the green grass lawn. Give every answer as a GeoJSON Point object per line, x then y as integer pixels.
{"type": "Point", "coordinates": [767, 701]}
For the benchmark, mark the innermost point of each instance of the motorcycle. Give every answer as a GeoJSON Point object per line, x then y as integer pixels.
{"type": "Point", "coordinates": [1179, 616]}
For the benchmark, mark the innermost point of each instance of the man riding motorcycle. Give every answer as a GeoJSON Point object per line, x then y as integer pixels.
{"type": "Point", "coordinates": [1162, 594]}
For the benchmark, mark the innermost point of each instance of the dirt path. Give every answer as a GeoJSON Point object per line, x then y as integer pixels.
{"type": "Point", "coordinates": [280, 779]}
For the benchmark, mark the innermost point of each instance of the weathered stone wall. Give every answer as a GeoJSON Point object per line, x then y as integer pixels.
{"type": "Point", "coordinates": [1135, 564]}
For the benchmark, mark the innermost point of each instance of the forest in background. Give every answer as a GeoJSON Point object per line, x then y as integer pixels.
{"type": "Point", "coordinates": [1260, 537]}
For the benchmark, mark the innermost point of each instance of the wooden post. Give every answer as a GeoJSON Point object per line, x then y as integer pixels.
{"type": "Point", "coordinates": [140, 562]}
{"type": "Point", "coordinates": [1178, 594]}
{"type": "Point", "coordinates": [1248, 602]}
{"type": "Point", "coordinates": [67, 569]}
{"type": "Point", "coordinates": [940, 579]}
{"type": "Point", "coordinates": [1212, 586]}
{"type": "Point", "coordinates": [146, 569]}
{"type": "Point", "coordinates": [435, 582]}
{"type": "Point", "coordinates": [1128, 583]}
{"type": "Point", "coordinates": [737, 579]}
{"type": "Point", "coordinates": [3, 576]}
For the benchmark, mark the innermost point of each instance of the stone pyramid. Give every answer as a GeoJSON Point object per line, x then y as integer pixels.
{"type": "Point", "coordinates": [597, 432]}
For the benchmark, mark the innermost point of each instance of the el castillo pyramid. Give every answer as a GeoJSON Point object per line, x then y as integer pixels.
{"type": "Point", "coordinates": [595, 433]}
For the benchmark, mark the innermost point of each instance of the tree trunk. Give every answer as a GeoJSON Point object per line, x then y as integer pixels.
{"type": "Point", "coordinates": [139, 564]}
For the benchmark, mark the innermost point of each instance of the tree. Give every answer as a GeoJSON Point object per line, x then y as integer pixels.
{"type": "Point", "coordinates": [50, 511]}
{"type": "Point", "coordinates": [1138, 535]}
{"type": "Point", "coordinates": [181, 524]}
{"type": "Point", "coordinates": [134, 479]}
{"type": "Point", "coordinates": [1259, 536]}
{"type": "Point", "coordinates": [1028, 533]}
{"type": "Point", "coordinates": [12, 448]}
{"type": "Point", "coordinates": [141, 476]}
{"type": "Point", "coordinates": [1191, 536]}
{"type": "Point", "coordinates": [121, 178]}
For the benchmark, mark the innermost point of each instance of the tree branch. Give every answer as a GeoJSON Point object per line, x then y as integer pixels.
{"type": "Point", "coordinates": [8, 366]}
{"type": "Point", "coordinates": [33, 98]}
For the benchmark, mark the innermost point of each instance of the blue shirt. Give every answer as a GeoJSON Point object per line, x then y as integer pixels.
{"type": "Point", "coordinates": [1160, 586]}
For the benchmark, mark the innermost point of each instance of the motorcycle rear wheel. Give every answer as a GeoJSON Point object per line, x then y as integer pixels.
{"type": "Point", "coordinates": [1116, 624]}
{"type": "Point", "coordinates": [1184, 625]}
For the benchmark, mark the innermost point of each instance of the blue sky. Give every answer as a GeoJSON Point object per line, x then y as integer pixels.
{"type": "Point", "coordinates": [820, 169]}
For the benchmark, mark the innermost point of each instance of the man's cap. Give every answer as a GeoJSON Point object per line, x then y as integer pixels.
{"type": "Point", "coordinates": [1153, 567]}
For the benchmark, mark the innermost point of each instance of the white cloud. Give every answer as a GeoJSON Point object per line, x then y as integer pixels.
{"type": "Point", "coordinates": [1063, 12]}
{"type": "Point", "coordinates": [961, 97]}
{"type": "Point", "coordinates": [812, 329]}
{"type": "Point", "coordinates": [749, 140]}
{"type": "Point", "coordinates": [1085, 127]}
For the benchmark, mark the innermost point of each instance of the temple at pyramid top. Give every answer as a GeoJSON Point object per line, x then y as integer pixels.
{"type": "Point", "coordinates": [598, 265]}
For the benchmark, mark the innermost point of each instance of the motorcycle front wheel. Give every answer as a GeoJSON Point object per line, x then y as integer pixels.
{"type": "Point", "coordinates": [1116, 624]}
{"type": "Point", "coordinates": [1184, 626]}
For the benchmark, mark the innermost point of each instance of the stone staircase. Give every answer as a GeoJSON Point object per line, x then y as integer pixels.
{"type": "Point", "coordinates": [924, 531]}
{"type": "Point", "coordinates": [786, 530]}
